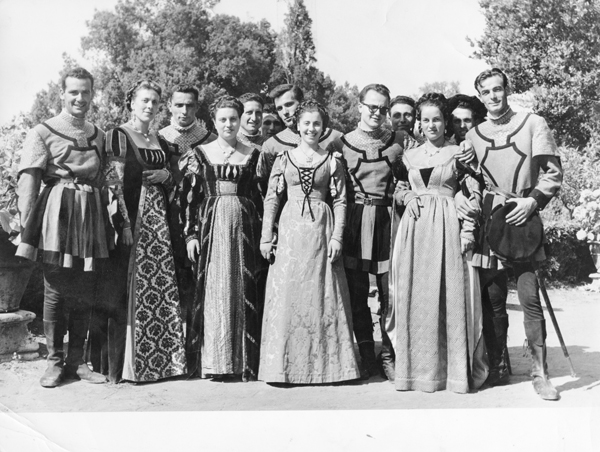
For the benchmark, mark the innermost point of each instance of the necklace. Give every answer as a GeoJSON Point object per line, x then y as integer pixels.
{"type": "Point", "coordinates": [307, 157]}
{"type": "Point", "coordinates": [431, 152]}
{"type": "Point", "coordinates": [145, 135]}
{"type": "Point", "coordinates": [227, 153]}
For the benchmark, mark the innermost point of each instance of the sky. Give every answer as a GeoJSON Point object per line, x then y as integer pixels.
{"type": "Point", "coordinates": [400, 43]}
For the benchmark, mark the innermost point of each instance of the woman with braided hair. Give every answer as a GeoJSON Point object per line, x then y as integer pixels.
{"type": "Point", "coordinates": [222, 234]}
{"type": "Point", "coordinates": [434, 321]}
{"type": "Point", "coordinates": [307, 333]}
{"type": "Point", "coordinates": [145, 340]}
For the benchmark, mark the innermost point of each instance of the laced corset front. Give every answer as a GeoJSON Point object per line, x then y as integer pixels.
{"type": "Point", "coordinates": [306, 179]}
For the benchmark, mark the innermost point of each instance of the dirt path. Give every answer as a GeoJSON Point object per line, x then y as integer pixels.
{"type": "Point", "coordinates": [578, 313]}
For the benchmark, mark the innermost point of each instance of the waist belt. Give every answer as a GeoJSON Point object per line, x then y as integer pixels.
{"type": "Point", "coordinates": [372, 201]}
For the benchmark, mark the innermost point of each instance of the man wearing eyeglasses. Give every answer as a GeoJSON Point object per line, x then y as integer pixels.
{"type": "Point", "coordinates": [369, 153]}
{"type": "Point", "coordinates": [287, 98]}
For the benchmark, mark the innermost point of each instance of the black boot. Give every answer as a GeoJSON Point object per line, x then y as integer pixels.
{"type": "Point", "coordinates": [368, 360]}
{"type": "Point", "coordinates": [75, 367]}
{"type": "Point", "coordinates": [535, 330]}
{"type": "Point", "coordinates": [54, 342]}
{"type": "Point", "coordinates": [499, 373]}
{"type": "Point", "coordinates": [117, 332]}
{"type": "Point", "coordinates": [387, 358]}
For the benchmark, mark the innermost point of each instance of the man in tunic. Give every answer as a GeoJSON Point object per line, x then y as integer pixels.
{"type": "Point", "coordinates": [251, 121]}
{"type": "Point", "coordinates": [369, 154]}
{"type": "Point", "coordinates": [518, 155]}
{"type": "Point", "coordinates": [287, 98]}
{"type": "Point", "coordinates": [65, 225]}
{"type": "Point", "coordinates": [184, 134]}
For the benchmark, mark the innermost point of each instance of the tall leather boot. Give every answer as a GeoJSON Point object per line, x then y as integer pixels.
{"type": "Point", "coordinates": [75, 367]}
{"type": "Point", "coordinates": [368, 360]}
{"type": "Point", "coordinates": [499, 374]}
{"type": "Point", "coordinates": [535, 330]}
{"type": "Point", "coordinates": [117, 332]}
{"type": "Point", "coordinates": [54, 342]}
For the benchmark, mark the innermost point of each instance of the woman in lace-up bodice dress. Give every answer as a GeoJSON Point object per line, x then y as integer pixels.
{"type": "Point", "coordinates": [222, 235]}
{"type": "Point", "coordinates": [435, 292]}
{"type": "Point", "coordinates": [307, 332]}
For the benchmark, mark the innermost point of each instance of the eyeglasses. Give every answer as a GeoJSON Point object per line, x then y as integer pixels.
{"type": "Point", "coordinates": [374, 108]}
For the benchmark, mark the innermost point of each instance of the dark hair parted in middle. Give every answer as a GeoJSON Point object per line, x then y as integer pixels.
{"type": "Point", "coordinates": [378, 88]}
{"type": "Point", "coordinates": [469, 103]}
{"type": "Point", "coordinates": [312, 106]}
{"type": "Point", "coordinates": [139, 85]}
{"type": "Point", "coordinates": [433, 100]}
{"type": "Point", "coordinates": [280, 90]}
{"type": "Point", "coordinates": [226, 102]}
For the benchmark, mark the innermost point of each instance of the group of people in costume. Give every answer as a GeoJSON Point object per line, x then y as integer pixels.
{"type": "Point", "coordinates": [249, 252]}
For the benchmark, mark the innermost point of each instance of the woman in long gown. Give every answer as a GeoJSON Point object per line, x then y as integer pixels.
{"type": "Point", "coordinates": [307, 331]}
{"type": "Point", "coordinates": [223, 242]}
{"type": "Point", "coordinates": [434, 291]}
{"type": "Point", "coordinates": [144, 327]}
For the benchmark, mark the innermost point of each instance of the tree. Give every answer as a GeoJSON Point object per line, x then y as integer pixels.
{"type": "Point", "coordinates": [551, 48]}
{"type": "Point", "coordinates": [182, 42]}
{"type": "Point", "coordinates": [343, 108]}
{"type": "Point", "coordinates": [448, 89]}
{"type": "Point", "coordinates": [295, 47]}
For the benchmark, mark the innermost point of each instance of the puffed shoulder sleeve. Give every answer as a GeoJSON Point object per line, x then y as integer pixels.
{"type": "Point", "coordinates": [116, 151]}
{"type": "Point", "coordinates": [34, 153]}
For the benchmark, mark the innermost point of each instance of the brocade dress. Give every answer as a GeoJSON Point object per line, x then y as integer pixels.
{"type": "Point", "coordinates": [225, 332]}
{"type": "Point", "coordinates": [154, 344]}
{"type": "Point", "coordinates": [435, 313]}
{"type": "Point", "coordinates": [307, 324]}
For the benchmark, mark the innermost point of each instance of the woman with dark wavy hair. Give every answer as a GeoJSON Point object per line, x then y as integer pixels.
{"type": "Point", "coordinates": [144, 328]}
{"type": "Point", "coordinates": [307, 335]}
{"type": "Point", "coordinates": [222, 235]}
{"type": "Point", "coordinates": [435, 316]}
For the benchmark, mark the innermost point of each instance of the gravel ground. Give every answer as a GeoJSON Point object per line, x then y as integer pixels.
{"type": "Point", "coordinates": [366, 411]}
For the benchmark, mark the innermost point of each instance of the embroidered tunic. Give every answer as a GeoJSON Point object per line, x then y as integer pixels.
{"type": "Point", "coordinates": [518, 154]}
{"type": "Point", "coordinates": [68, 219]}
{"type": "Point", "coordinates": [369, 159]}
{"type": "Point", "coordinates": [253, 141]}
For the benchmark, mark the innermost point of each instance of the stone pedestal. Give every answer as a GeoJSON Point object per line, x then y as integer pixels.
{"type": "Point", "coordinates": [15, 336]}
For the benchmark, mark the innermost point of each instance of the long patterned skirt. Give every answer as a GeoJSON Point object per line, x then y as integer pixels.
{"type": "Point", "coordinates": [307, 326]}
{"type": "Point", "coordinates": [225, 333]}
{"type": "Point", "coordinates": [155, 343]}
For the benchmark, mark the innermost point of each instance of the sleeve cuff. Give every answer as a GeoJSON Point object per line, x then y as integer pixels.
{"type": "Point", "coordinates": [542, 199]}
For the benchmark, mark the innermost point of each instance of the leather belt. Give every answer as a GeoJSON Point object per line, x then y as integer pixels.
{"type": "Point", "coordinates": [373, 201]}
